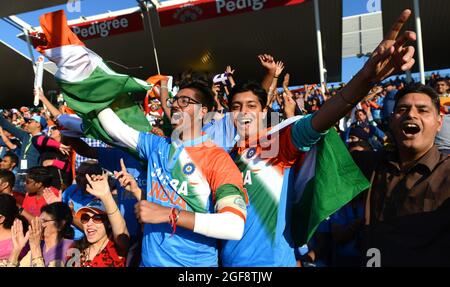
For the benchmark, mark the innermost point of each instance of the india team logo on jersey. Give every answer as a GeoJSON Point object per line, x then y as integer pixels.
{"type": "Point", "coordinates": [190, 183]}
{"type": "Point", "coordinates": [251, 153]}
{"type": "Point", "coordinates": [188, 168]}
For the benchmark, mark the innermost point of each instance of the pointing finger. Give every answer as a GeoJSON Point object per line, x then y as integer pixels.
{"type": "Point", "coordinates": [393, 33]}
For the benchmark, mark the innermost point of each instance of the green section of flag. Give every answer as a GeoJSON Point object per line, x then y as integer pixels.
{"type": "Point", "coordinates": [102, 89]}
{"type": "Point", "coordinates": [337, 181]}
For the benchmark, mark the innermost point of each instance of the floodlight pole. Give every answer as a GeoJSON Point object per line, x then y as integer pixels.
{"type": "Point", "coordinates": [319, 44]}
{"type": "Point", "coordinates": [148, 23]}
{"type": "Point", "coordinates": [419, 41]}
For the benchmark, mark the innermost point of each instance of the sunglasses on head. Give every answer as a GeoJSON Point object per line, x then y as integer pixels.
{"type": "Point", "coordinates": [96, 218]}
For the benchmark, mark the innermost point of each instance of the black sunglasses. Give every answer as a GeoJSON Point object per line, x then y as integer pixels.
{"type": "Point", "coordinates": [96, 218]}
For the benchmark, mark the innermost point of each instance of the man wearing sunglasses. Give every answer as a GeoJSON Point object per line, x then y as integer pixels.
{"type": "Point", "coordinates": [192, 184]}
{"type": "Point", "coordinates": [28, 155]}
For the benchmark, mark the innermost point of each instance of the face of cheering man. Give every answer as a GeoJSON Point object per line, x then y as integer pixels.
{"type": "Point", "coordinates": [415, 123]}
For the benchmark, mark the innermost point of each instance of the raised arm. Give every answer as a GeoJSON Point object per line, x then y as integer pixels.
{"type": "Point", "coordinates": [219, 114]}
{"type": "Point", "coordinates": [117, 129]}
{"type": "Point", "coordinates": [164, 95]}
{"type": "Point", "coordinates": [289, 104]}
{"type": "Point", "coordinates": [391, 56]}
{"type": "Point", "coordinates": [48, 142]}
{"type": "Point", "coordinates": [279, 67]}
{"type": "Point", "coordinates": [127, 181]}
{"type": "Point", "coordinates": [52, 109]}
{"type": "Point", "coordinates": [270, 66]}
{"type": "Point", "coordinates": [82, 148]}
{"type": "Point", "coordinates": [9, 127]}
{"type": "Point", "coordinates": [6, 140]}
{"type": "Point", "coordinates": [98, 187]}
{"type": "Point", "coordinates": [230, 73]}
{"type": "Point", "coordinates": [35, 236]}
{"type": "Point", "coordinates": [19, 240]}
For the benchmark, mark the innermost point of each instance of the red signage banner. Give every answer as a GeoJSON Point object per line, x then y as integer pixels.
{"type": "Point", "coordinates": [109, 26]}
{"type": "Point", "coordinates": [197, 10]}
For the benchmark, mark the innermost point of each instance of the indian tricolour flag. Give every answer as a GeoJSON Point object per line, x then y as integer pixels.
{"type": "Point", "coordinates": [327, 180]}
{"type": "Point", "coordinates": [87, 83]}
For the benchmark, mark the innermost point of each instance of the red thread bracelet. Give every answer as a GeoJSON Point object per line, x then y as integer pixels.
{"type": "Point", "coordinates": [173, 219]}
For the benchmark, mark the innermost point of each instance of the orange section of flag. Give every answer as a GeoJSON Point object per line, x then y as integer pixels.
{"type": "Point", "coordinates": [56, 31]}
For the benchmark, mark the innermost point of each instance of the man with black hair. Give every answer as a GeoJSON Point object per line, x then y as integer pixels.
{"type": "Point", "coordinates": [9, 161]}
{"type": "Point", "coordinates": [29, 155]}
{"type": "Point", "coordinates": [442, 87]}
{"type": "Point", "coordinates": [410, 186]}
{"type": "Point", "coordinates": [195, 184]}
{"type": "Point", "coordinates": [37, 180]}
{"type": "Point", "coordinates": [7, 180]}
{"type": "Point", "coordinates": [270, 231]}
{"type": "Point", "coordinates": [191, 183]}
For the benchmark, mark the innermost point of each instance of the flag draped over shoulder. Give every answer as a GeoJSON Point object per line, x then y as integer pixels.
{"type": "Point", "coordinates": [327, 180]}
{"type": "Point", "coordinates": [87, 83]}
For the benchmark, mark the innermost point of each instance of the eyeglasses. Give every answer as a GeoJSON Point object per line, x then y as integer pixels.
{"type": "Point", "coordinates": [183, 101]}
{"type": "Point", "coordinates": [96, 218]}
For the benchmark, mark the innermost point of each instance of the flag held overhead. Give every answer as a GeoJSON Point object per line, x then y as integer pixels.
{"type": "Point", "coordinates": [87, 83]}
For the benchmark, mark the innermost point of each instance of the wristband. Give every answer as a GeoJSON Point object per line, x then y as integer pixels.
{"type": "Point", "coordinates": [173, 219]}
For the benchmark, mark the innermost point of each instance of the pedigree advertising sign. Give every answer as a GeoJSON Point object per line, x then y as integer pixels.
{"type": "Point", "coordinates": [108, 26]}
{"type": "Point", "coordinates": [192, 11]}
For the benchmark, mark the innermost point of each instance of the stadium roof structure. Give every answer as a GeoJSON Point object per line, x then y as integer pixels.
{"type": "Point", "coordinates": [361, 34]}
{"type": "Point", "coordinates": [194, 35]}
{"type": "Point", "coordinates": [18, 78]}
{"type": "Point", "coordinates": [214, 40]}
{"type": "Point", "coordinates": [12, 7]}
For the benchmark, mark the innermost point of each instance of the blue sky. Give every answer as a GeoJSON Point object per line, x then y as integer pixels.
{"type": "Point", "coordinates": [92, 7]}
